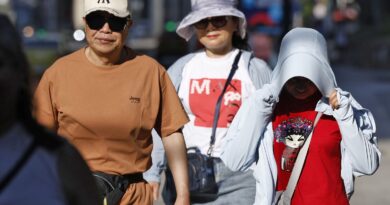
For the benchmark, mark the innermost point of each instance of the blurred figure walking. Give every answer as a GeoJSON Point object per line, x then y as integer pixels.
{"type": "Point", "coordinates": [36, 167]}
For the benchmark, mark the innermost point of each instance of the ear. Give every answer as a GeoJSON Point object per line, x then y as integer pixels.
{"type": "Point", "coordinates": [85, 25]}
{"type": "Point", "coordinates": [129, 23]}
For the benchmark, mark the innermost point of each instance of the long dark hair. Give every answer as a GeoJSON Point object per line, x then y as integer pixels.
{"type": "Point", "coordinates": [237, 41]}
{"type": "Point", "coordinates": [12, 57]}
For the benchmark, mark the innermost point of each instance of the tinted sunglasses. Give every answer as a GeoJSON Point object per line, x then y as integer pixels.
{"type": "Point", "coordinates": [217, 22]}
{"type": "Point", "coordinates": [96, 21]}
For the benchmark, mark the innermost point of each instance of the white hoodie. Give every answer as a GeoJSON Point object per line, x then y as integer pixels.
{"type": "Point", "coordinates": [250, 138]}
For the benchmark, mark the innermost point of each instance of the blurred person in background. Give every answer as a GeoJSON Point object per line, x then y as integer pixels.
{"type": "Point", "coordinates": [106, 99]}
{"type": "Point", "coordinates": [274, 127]}
{"type": "Point", "coordinates": [262, 45]}
{"type": "Point", "coordinates": [199, 78]}
{"type": "Point", "coordinates": [36, 167]}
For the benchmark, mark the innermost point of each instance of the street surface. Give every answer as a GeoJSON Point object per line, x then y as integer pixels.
{"type": "Point", "coordinates": [371, 88]}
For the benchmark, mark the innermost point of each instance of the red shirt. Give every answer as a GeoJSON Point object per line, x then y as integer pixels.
{"type": "Point", "coordinates": [320, 181]}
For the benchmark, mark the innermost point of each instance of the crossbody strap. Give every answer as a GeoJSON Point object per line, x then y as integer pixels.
{"type": "Point", "coordinates": [296, 172]}
{"type": "Point", "coordinates": [12, 173]}
{"type": "Point", "coordinates": [218, 105]}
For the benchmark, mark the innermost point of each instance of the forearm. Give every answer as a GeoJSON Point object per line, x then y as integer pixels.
{"type": "Point", "coordinates": [175, 150]}
{"type": "Point", "coordinates": [360, 146]}
{"type": "Point", "coordinates": [357, 127]}
{"type": "Point", "coordinates": [245, 132]}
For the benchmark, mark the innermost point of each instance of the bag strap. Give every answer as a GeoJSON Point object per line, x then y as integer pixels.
{"type": "Point", "coordinates": [296, 172]}
{"type": "Point", "coordinates": [18, 166]}
{"type": "Point", "coordinates": [218, 105]}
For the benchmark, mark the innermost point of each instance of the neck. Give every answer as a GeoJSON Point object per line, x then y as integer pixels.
{"type": "Point", "coordinates": [102, 59]}
{"type": "Point", "coordinates": [216, 53]}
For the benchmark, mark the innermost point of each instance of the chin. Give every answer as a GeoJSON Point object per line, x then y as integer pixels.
{"type": "Point", "coordinates": [105, 49]}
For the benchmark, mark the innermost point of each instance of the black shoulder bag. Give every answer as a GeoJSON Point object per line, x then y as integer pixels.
{"type": "Point", "coordinates": [202, 184]}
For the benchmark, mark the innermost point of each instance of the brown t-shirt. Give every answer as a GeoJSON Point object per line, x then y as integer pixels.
{"type": "Point", "coordinates": [108, 112]}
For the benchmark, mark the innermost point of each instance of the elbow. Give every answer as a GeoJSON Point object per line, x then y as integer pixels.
{"type": "Point", "coordinates": [370, 167]}
{"type": "Point", "coordinates": [228, 163]}
{"type": "Point", "coordinates": [235, 165]}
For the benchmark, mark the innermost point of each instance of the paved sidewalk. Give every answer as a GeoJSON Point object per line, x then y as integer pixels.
{"type": "Point", "coordinates": [375, 189]}
{"type": "Point", "coordinates": [369, 189]}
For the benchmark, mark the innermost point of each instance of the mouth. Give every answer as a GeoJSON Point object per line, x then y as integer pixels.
{"type": "Point", "coordinates": [105, 40]}
{"type": "Point", "coordinates": [212, 36]}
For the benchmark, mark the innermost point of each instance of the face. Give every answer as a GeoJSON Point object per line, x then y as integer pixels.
{"type": "Point", "coordinates": [295, 141]}
{"type": "Point", "coordinates": [106, 34]}
{"type": "Point", "coordinates": [300, 88]}
{"type": "Point", "coordinates": [216, 34]}
{"type": "Point", "coordinates": [262, 46]}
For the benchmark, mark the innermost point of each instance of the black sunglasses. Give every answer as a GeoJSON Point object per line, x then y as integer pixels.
{"type": "Point", "coordinates": [96, 21]}
{"type": "Point", "coordinates": [217, 22]}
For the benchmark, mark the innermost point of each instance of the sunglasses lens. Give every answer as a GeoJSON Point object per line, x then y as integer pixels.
{"type": "Point", "coordinates": [117, 24]}
{"type": "Point", "coordinates": [218, 22]}
{"type": "Point", "coordinates": [96, 21]}
{"type": "Point", "coordinates": [202, 24]}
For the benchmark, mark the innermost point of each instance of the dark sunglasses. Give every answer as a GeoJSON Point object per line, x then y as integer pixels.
{"type": "Point", "coordinates": [96, 21]}
{"type": "Point", "coordinates": [217, 22]}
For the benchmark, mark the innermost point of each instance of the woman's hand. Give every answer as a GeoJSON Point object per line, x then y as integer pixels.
{"type": "Point", "coordinates": [333, 100]}
{"type": "Point", "coordinates": [156, 188]}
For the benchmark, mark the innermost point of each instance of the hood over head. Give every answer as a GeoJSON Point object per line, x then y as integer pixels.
{"type": "Point", "coordinates": [303, 53]}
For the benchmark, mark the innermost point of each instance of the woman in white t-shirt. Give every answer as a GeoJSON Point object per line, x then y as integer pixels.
{"type": "Point", "coordinates": [199, 78]}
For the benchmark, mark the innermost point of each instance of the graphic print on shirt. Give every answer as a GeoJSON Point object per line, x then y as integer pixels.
{"type": "Point", "coordinates": [293, 133]}
{"type": "Point", "coordinates": [205, 92]}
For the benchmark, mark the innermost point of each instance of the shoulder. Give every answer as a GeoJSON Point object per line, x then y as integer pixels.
{"type": "Point", "coordinates": [180, 63]}
{"type": "Point", "coordinates": [143, 63]}
{"type": "Point", "coordinates": [176, 69]}
{"type": "Point", "coordinates": [255, 62]}
{"type": "Point", "coordinates": [258, 69]}
{"type": "Point", "coordinates": [65, 62]}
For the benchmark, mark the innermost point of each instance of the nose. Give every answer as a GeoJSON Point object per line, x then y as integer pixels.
{"type": "Point", "coordinates": [106, 28]}
{"type": "Point", "coordinates": [210, 26]}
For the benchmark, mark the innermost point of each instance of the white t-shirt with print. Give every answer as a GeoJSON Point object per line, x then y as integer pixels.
{"type": "Point", "coordinates": [203, 79]}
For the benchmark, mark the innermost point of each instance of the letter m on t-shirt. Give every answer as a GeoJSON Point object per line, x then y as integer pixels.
{"type": "Point", "coordinates": [203, 96]}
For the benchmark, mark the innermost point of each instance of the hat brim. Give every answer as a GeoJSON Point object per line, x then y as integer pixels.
{"type": "Point", "coordinates": [109, 10]}
{"type": "Point", "coordinates": [185, 29]}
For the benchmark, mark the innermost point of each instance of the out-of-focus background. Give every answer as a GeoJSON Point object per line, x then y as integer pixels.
{"type": "Point", "coordinates": [357, 31]}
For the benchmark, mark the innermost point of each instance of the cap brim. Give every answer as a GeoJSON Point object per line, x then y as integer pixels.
{"type": "Point", "coordinates": [109, 10]}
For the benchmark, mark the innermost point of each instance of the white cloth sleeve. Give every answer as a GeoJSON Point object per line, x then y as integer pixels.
{"type": "Point", "coordinates": [158, 160]}
{"type": "Point", "coordinates": [357, 127]}
{"type": "Point", "coordinates": [246, 130]}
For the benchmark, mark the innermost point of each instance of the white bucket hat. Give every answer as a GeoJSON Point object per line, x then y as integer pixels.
{"type": "Point", "coordinates": [201, 9]}
{"type": "Point", "coordinates": [118, 8]}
